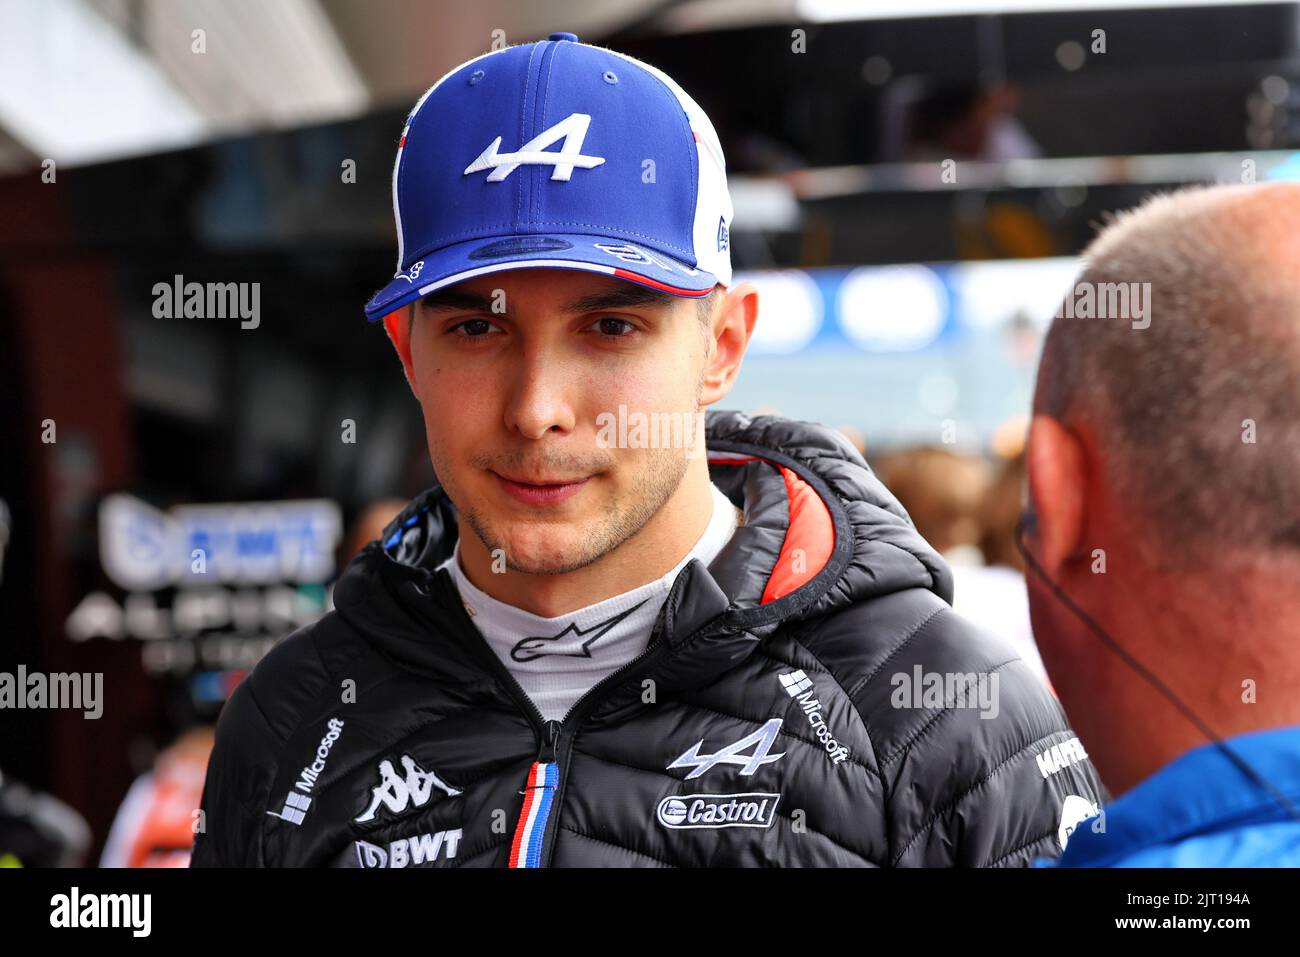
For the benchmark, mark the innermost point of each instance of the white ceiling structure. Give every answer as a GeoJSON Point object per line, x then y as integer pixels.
{"type": "Point", "coordinates": [83, 81]}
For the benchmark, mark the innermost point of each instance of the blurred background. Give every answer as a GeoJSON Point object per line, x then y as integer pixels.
{"type": "Point", "coordinates": [252, 141]}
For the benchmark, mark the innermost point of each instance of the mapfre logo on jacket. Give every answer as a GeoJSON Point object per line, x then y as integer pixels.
{"type": "Point", "coordinates": [772, 736]}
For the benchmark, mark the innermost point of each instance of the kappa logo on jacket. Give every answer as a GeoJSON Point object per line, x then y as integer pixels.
{"type": "Point", "coordinates": [397, 793]}
{"type": "Point", "coordinates": [761, 741]}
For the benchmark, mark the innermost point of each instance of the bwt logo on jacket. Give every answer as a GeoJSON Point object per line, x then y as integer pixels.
{"type": "Point", "coordinates": [409, 851]}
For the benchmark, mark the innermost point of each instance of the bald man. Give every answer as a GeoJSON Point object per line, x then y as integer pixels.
{"type": "Point", "coordinates": [1164, 484]}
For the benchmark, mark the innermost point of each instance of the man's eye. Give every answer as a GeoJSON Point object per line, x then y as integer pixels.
{"type": "Point", "coordinates": [472, 328]}
{"type": "Point", "coordinates": [615, 328]}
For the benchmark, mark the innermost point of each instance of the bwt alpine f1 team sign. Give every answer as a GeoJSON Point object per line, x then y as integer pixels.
{"type": "Point", "coordinates": [209, 587]}
{"type": "Point", "coordinates": [248, 543]}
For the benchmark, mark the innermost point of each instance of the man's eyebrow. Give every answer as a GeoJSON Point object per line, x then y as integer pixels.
{"type": "Point", "coordinates": [450, 299]}
{"type": "Point", "coordinates": [628, 296]}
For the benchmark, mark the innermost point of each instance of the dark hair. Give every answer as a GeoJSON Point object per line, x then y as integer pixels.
{"type": "Point", "coordinates": [704, 307]}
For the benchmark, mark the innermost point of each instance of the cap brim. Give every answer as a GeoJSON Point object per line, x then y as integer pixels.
{"type": "Point", "coordinates": [479, 257]}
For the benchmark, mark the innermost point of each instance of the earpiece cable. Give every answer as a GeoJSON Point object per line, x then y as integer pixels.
{"type": "Point", "coordinates": [1241, 764]}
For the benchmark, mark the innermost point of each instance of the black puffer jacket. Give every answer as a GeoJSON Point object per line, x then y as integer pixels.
{"type": "Point", "coordinates": [780, 715]}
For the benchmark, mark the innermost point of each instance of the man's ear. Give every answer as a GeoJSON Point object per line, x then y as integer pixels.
{"type": "Point", "coordinates": [729, 332]}
{"type": "Point", "coordinates": [1057, 491]}
{"type": "Point", "coordinates": [399, 334]}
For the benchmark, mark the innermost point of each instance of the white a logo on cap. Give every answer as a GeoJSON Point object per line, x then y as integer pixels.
{"type": "Point", "coordinates": [573, 130]}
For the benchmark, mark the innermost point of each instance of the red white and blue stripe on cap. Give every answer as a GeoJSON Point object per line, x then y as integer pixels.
{"type": "Point", "coordinates": [563, 155]}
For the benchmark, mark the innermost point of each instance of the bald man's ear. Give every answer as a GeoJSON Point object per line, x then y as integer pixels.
{"type": "Point", "coordinates": [398, 327]}
{"type": "Point", "coordinates": [1057, 489]}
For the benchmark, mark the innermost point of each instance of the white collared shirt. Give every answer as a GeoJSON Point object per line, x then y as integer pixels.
{"type": "Point", "coordinates": [556, 660]}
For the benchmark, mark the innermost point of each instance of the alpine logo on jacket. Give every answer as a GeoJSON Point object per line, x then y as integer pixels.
{"type": "Point", "coordinates": [572, 642]}
{"type": "Point", "coordinates": [409, 851]}
{"type": "Point", "coordinates": [397, 793]}
{"type": "Point", "coordinates": [800, 687]}
{"type": "Point", "coordinates": [761, 741]}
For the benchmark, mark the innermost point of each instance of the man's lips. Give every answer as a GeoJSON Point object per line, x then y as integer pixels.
{"type": "Point", "coordinates": [547, 491]}
{"type": "Point", "coordinates": [542, 481]}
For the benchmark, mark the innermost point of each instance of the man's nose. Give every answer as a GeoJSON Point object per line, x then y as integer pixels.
{"type": "Point", "coordinates": [538, 401]}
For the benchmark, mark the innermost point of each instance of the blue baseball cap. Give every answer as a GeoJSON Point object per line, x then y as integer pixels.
{"type": "Point", "coordinates": [558, 154]}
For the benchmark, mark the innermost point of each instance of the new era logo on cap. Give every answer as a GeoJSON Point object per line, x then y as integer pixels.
{"type": "Point", "coordinates": [564, 155]}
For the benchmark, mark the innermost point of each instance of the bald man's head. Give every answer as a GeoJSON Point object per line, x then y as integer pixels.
{"type": "Point", "coordinates": [1198, 412]}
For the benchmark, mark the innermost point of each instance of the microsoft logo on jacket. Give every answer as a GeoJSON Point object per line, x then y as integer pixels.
{"type": "Point", "coordinates": [800, 687]}
{"type": "Point", "coordinates": [796, 682]}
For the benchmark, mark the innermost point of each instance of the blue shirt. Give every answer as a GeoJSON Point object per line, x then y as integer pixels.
{"type": "Point", "coordinates": [1200, 810]}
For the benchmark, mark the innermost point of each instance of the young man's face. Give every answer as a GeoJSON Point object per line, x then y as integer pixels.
{"type": "Point", "coordinates": [520, 373]}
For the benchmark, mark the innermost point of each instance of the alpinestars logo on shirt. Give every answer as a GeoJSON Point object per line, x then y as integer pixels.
{"type": "Point", "coordinates": [396, 793]}
{"type": "Point", "coordinates": [572, 642]}
{"type": "Point", "coordinates": [761, 741]}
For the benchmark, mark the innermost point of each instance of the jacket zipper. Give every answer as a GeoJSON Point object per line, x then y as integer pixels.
{"type": "Point", "coordinates": [574, 720]}
{"type": "Point", "coordinates": [654, 648]}
{"type": "Point", "coordinates": [539, 783]}
{"type": "Point", "coordinates": [539, 793]}
{"type": "Point", "coordinates": [534, 838]}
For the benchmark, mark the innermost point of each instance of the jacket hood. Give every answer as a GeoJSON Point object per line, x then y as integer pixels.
{"type": "Point", "coordinates": [820, 533]}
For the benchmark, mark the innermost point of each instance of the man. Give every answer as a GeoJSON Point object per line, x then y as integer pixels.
{"type": "Point", "coordinates": [1163, 459]}
{"type": "Point", "coordinates": [608, 638]}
